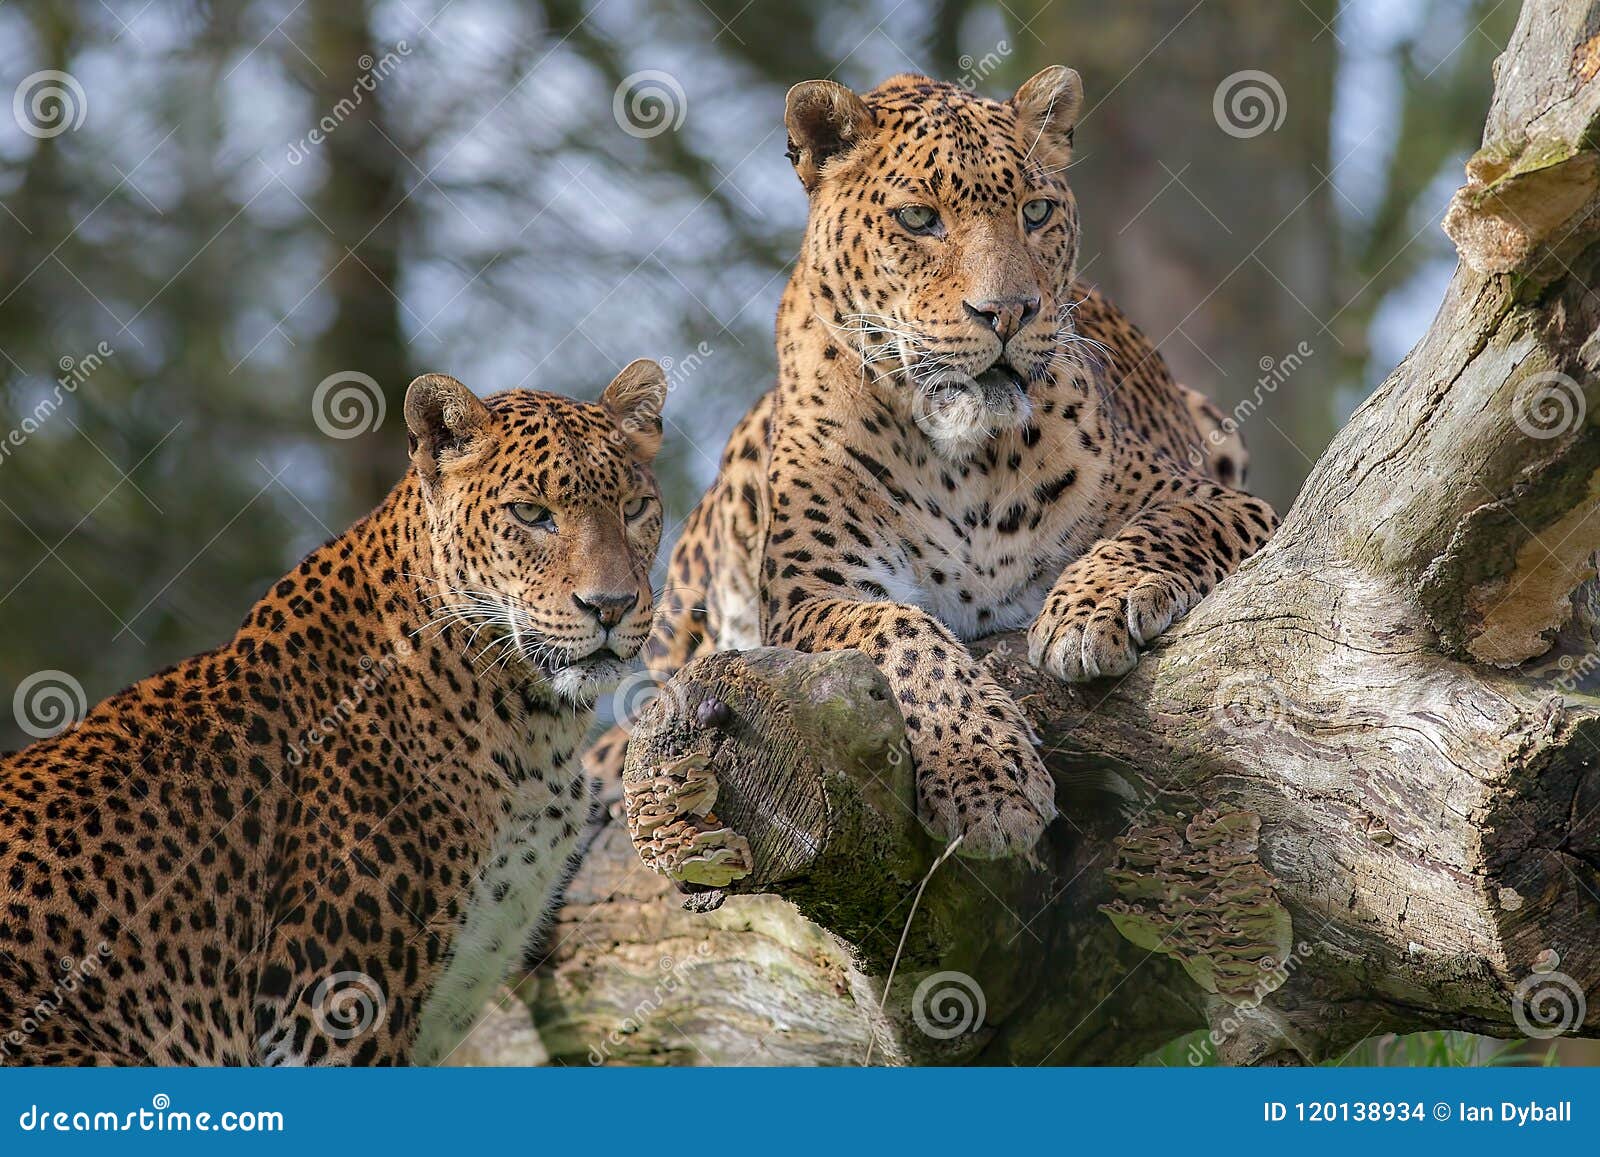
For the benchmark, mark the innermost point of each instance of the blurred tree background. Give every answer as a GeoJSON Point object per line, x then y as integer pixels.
{"type": "Point", "coordinates": [215, 216]}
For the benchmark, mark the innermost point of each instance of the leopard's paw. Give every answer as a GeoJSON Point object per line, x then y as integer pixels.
{"type": "Point", "coordinates": [998, 800]}
{"type": "Point", "coordinates": [1096, 619]}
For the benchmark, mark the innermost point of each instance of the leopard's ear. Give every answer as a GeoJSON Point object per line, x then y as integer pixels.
{"type": "Point", "coordinates": [825, 120]}
{"type": "Point", "coordinates": [634, 400]}
{"type": "Point", "coordinates": [1047, 110]}
{"type": "Point", "coordinates": [445, 423]}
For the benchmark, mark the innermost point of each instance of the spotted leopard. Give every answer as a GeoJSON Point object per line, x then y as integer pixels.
{"type": "Point", "coordinates": [328, 840]}
{"type": "Point", "coordinates": [963, 439]}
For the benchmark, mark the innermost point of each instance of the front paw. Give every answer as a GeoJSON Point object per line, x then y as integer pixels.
{"type": "Point", "coordinates": [997, 800]}
{"type": "Point", "coordinates": [1097, 618]}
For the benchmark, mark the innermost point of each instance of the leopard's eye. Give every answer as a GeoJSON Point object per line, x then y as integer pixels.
{"type": "Point", "coordinates": [534, 515]}
{"type": "Point", "coordinates": [1037, 211]}
{"type": "Point", "coordinates": [632, 510]}
{"type": "Point", "coordinates": [918, 218]}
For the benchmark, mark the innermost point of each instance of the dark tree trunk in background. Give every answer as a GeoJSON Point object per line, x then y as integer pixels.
{"type": "Point", "coordinates": [363, 206]}
{"type": "Point", "coordinates": [1222, 247]}
{"type": "Point", "coordinates": [1355, 791]}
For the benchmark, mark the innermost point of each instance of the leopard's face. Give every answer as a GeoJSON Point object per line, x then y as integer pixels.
{"type": "Point", "coordinates": [944, 236]}
{"type": "Point", "coordinates": [545, 519]}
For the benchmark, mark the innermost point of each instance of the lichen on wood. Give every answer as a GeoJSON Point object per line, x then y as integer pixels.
{"type": "Point", "coordinates": [1197, 892]}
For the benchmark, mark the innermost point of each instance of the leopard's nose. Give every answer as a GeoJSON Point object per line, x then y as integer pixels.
{"type": "Point", "coordinates": [608, 609]}
{"type": "Point", "coordinates": [1006, 316]}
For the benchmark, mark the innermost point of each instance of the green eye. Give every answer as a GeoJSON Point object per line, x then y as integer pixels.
{"type": "Point", "coordinates": [1037, 211]}
{"type": "Point", "coordinates": [917, 218]}
{"type": "Point", "coordinates": [532, 514]}
{"type": "Point", "coordinates": [632, 510]}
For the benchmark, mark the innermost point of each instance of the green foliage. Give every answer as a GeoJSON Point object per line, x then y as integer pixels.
{"type": "Point", "coordinates": [1446, 1049]}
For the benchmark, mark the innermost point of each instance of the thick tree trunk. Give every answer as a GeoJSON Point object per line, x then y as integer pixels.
{"type": "Point", "coordinates": [1353, 792]}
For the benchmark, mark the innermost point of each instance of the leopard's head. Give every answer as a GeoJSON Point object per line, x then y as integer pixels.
{"type": "Point", "coordinates": [544, 520]}
{"type": "Point", "coordinates": [943, 238]}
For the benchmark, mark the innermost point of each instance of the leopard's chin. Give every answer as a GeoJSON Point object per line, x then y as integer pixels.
{"type": "Point", "coordinates": [961, 414]}
{"type": "Point", "coordinates": [581, 682]}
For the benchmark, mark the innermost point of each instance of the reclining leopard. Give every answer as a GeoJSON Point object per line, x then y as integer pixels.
{"type": "Point", "coordinates": [329, 839]}
{"type": "Point", "coordinates": [963, 440]}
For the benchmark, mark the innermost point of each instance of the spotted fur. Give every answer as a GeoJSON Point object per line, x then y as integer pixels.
{"type": "Point", "coordinates": [963, 440]}
{"type": "Point", "coordinates": [327, 840]}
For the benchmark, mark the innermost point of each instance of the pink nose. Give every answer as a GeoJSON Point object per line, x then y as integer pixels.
{"type": "Point", "coordinates": [1004, 315]}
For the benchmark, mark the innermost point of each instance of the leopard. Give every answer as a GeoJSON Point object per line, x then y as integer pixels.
{"type": "Point", "coordinates": [328, 840]}
{"type": "Point", "coordinates": [964, 438]}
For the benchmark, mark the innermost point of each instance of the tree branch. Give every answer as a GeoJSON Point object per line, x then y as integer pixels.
{"type": "Point", "coordinates": [1353, 792]}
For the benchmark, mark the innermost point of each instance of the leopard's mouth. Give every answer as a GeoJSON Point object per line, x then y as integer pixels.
{"type": "Point", "coordinates": [960, 413]}
{"type": "Point", "coordinates": [1000, 387]}
{"type": "Point", "coordinates": [1002, 378]}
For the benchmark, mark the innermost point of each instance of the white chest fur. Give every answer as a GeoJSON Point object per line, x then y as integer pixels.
{"type": "Point", "coordinates": [989, 549]}
{"type": "Point", "coordinates": [527, 860]}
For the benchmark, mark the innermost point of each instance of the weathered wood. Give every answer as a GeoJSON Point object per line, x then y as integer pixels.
{"type": "Point", "coordinates": [1354, 791]}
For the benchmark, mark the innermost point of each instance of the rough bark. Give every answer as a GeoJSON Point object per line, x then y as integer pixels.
{"type": "Point", "coordinates": [1353, 792]}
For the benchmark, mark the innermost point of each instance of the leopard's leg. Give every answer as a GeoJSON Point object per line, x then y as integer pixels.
{"type": "Point", "coordinates": [1188, 535]}
{"type": "Point", "coordinates": [978, 775]}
